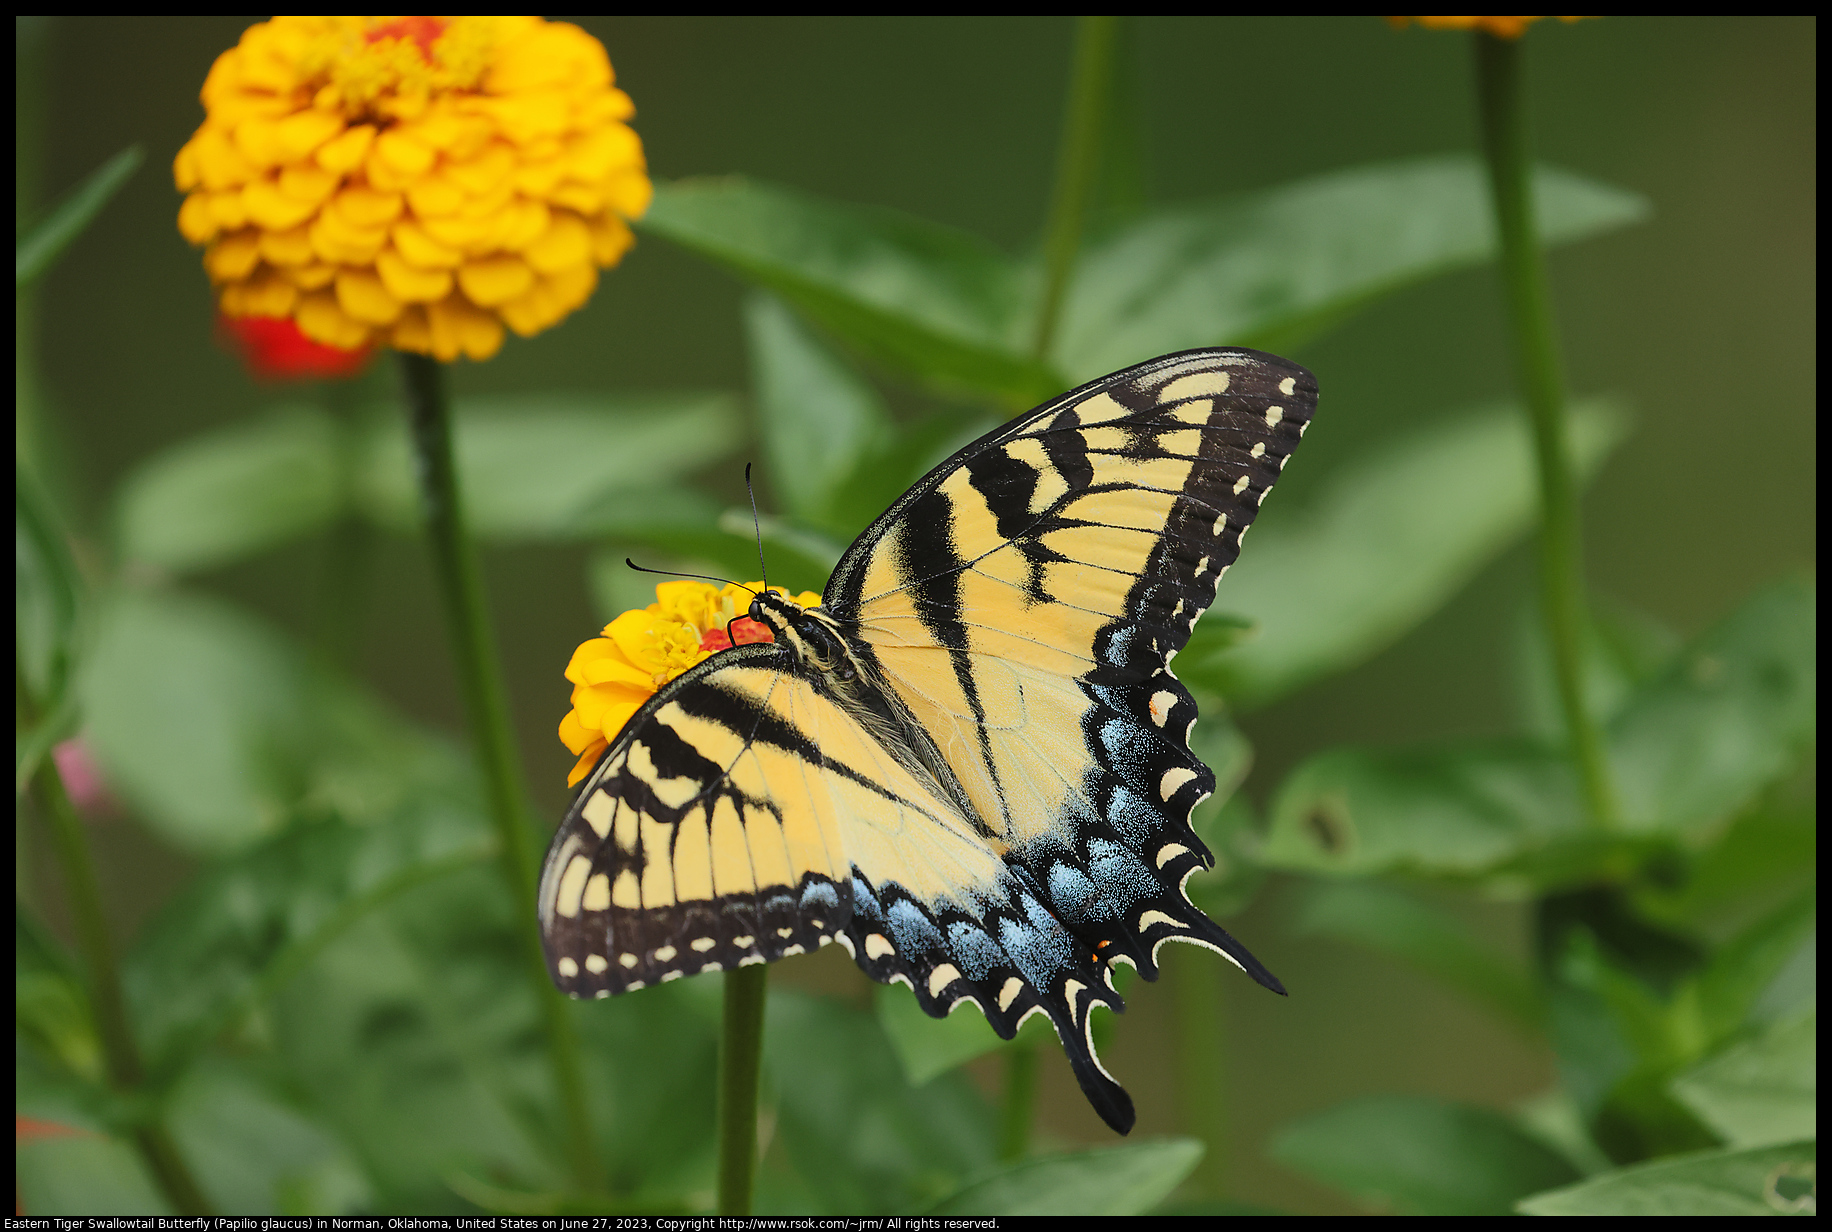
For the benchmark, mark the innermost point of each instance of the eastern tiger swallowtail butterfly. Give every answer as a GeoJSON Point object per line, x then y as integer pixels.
{"type": "Point", "coordinates": [970, 766]}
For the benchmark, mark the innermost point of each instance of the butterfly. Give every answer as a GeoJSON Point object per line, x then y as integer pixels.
{"type": "Point", "coordinates": [969, 765]}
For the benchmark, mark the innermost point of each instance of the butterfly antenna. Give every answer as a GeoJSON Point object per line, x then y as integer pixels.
{"type": "Point", "coordinates": [757, 523]}
{"type": "Point", "coordinates": [704, 577]}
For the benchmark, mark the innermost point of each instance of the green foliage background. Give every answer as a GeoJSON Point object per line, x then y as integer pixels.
{"type": "Point", "coordinates": [1488, 1002]}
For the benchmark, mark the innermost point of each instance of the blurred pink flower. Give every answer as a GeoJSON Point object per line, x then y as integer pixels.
{"type": "Point", "coordinates": [83, 778]}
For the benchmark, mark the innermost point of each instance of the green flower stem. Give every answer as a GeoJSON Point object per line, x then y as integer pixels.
{"type": "Point", "coordinates": [740, 1066]}
{"type": "Point", "coordinates": [1529, 298]}
{"type": "Point", "coordinates": [107, 1003]}
{"type": "Point", "coordinates": [1020, 1098]}
{"type": "Point", "coordinates": [349, 545]}
{"type": "Point", "coordinates": [474, 655]}
{"type": "Point", "coordinates": [1077, 161]}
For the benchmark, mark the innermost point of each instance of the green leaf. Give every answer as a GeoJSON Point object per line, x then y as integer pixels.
{"type": "Point", "coordinates": [1743, 967]}
{"type": "Point", "coordinates": [1689, 749]}
{"type": "Point", "coordinates": [1459, 812]}
{"type": "Point", "coordinates": [1424, 937]}
{"type": "Point", "coordinates": [1272, 268]}
{"type": "Point", "coordinates": [818, 417]}
{"type": "Point", "coordinates": [255, 1155]}
{"type": "Point", "coordinates": [192, 709]}
{"type": "Point", "coordinates": [51, 1009]}
{"type": "Point", "coordinates": [1770, 1180]}
{"type": "Point", "coordinates": [46, 242]}
{"type": "Point", "coordinates": [1118, 1180]}
{"type": "Point", "coordinates": [1623, 651]}
{"type": "Point", "coordinates": [1411, 1156]}
{"type": "Point", "coordinates": [928, 1046]}
{"type": "Point", "coordinates": [234, 493]}
{"type": "Point", "coordinates": [540, 467]}
{"type": "Point", "coordinates": [85, 1174]}
{"type": "Point", "coordinates": [413, 1032]}
{"type": "Point", "coordinates": [1390, 539]}
{"type": "Point", "coordinates": [924, 299]}
{"type": "Point", "coordinates": [1732, 713]}
{"type": "Point", "coordinates": [220, 950]}
{"type": "Point", "coordinates": [859, 1136]}
{"type": "Point", "coordinates": [1762, 1091]}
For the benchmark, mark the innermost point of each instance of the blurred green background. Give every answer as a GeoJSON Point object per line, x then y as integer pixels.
{"type": "Point", "coordinates": [1701, 320]}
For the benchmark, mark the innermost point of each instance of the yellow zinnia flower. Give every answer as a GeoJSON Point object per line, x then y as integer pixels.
{"type": "Point", "coordinates": [643, 650]}
{"type": "Point", "coordinates": [1500, 27]}
{"type": "Point", "coordinates": [415, 182]}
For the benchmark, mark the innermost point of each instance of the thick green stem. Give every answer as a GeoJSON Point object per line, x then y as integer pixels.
{"type": "Point", "coordinates": [1536, 353]}
{"type": "Point", "coordinates": [1077, 161]}
{"type": "Point", "coordinates": [740, 1066]}
{"type": "Point", "coordinates": [474, 655]}
{"type": "Point", "coordinates": [103, 975]}
{"type": "Point", "coordinates": [1018, 1111]}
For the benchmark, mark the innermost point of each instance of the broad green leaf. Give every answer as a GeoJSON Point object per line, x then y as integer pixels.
{"type": "Point", "coordinates": [859, 1136]}
{"type": "Point", "coordinates": [1624, 651]}
{"type": "Point", "coordinates": [1271, 268]}
{"type": "Point", "coordinates": [638, 513]}
{"type": "Point", "coordinates": [414, 1034]}
{"type": "Point", "coordinates": [84, 1174]}
{"type": "Point", "coordinates": [928, 1046]}
{"type": "Point", "coordinates": [1770, 1180]}
{"type": "Point", "coordinates": [220, 950]}
{"type": "Point", "coordinates": [1762, 1091]}
{"type": "Point", "coordinates": [254, 1155]}
{"type": "Point", "coordinates": [1405, 1155]}
{"type": "Point", "coordinates": [192, 712]}
{"type": "Point", "coordinates": [919, 297]}
{"type": "Point", "coordinates": [895, 460]}
{"type": "Point", "coordinates": [1688, 749]}
{"type": "Point", "coordinates": [1391, 538]}
{"type": "Point", "coordinates": [1424, 937]}
{"type": "Point", "coordinates": [1732, 713]}
{"type": "Point", "coordinates": [1118, 1180]}
{"type": "Point", "coordinates": [1458, 812]}
{"type": "Point", "coordinates": [817, 416]}
{"type": "Point", "coordinates": [233, 493]}
{"type": "Point", "coordinates": [539, 467]}
{"type": "Point", "coordinates": [1741, 968]}
{"type": "Point", "coordinates": [46, 242]}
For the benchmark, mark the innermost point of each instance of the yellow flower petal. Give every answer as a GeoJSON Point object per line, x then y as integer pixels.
{"type": "Point", "coordinates": [270, 208]}
{"type": "Point", "coordinates": [408, 282]}
{"type": "Point", "coordinates": [308, 182]}
{"type": "Point", "coordinates": [286, 248]}
{"type": "Point", "coordinates": [234, 256]}
{"type": "Point", "coordinates": [320, 319]}
{"type": "Point", "coordinates": [364, 207]}
{"type": "Point", "coordinates": [424, 251]}
{"type": "Point", "coordinates": [565, 242]}
{"type": "Point", "coordinates": [346, 153]}
{"type": "Point", "coordinates": [361, 294]}
{"type": "Point", "coordinates": [196, 220]}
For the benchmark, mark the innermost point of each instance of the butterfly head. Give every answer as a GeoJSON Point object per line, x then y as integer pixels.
{"type": "Point", "coordinates": [810, 634]}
